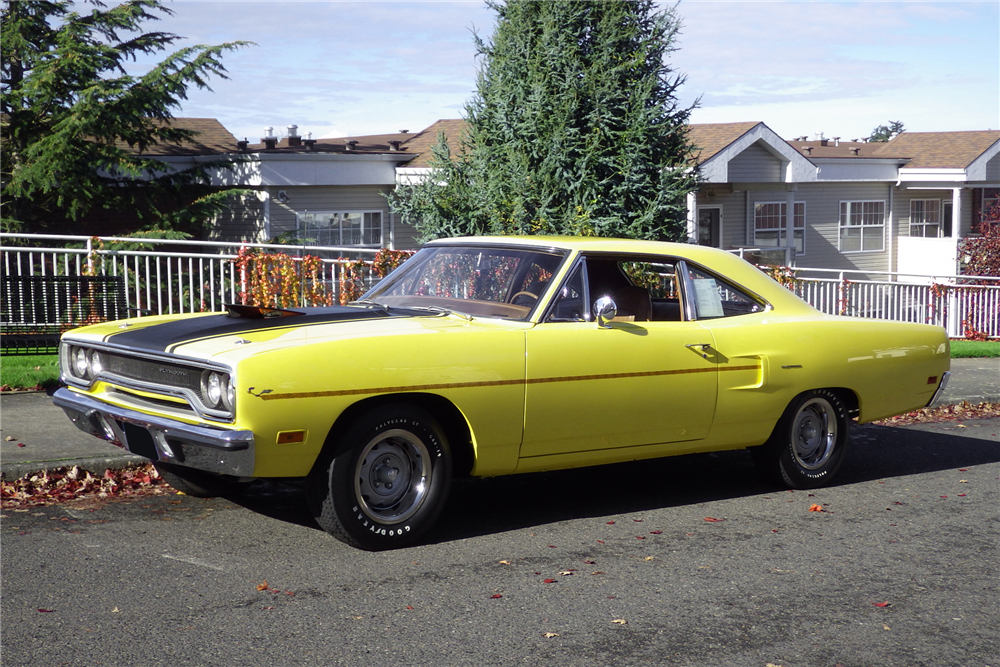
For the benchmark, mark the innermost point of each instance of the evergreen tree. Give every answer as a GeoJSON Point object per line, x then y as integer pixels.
{"type": "Point", "coordinates": [74, 120]}
{"type": "Point", "coordinates": [884, 133]}
{"type": "Point", "coordinates": [575, 128]}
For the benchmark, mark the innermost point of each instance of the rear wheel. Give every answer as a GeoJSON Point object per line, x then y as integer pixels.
{"type": "Point", "coordinates": [809, 442]}
{"type": "Point", "coordinates": [387, 482]}
{"type": "Point", "coordinates": [198, 483]}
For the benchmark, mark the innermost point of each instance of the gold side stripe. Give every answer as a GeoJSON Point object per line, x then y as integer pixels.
{"type": "Point", "coordinates": [498, 383]}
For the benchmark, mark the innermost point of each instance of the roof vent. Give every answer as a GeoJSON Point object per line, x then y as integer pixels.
{"type": "Point", "coordinates": [269, 140]}
{"type": "Point", "coordinates": [351, 143]}
{"type": "Point", "coordinates": [394, 145]}
{"type": "Point", "coordinates": [242, 145]}
{"type": "Point", "coordinates": [808, 150]}
{"type": "Point", "coordinates": [293, 136]}
{"type": "Point", "coordinates": [855, 151]}
{"type": "Point", "coordinates": [836, 141]}
{"type": "Point", "coordinates": [404, 131]}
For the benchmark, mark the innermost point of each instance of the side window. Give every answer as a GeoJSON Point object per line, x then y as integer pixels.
{"type": "Point", "coordinates": [714, 298]}
{"type": "Point", "coordinates": [570, 305]}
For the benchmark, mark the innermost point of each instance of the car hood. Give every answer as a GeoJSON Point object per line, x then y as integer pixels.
{"type": "Point", "coordinates": [227, 338]}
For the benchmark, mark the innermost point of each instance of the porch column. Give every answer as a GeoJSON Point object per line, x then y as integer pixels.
{"type": "Point", "coordinates": [790, 226]}
{"type": "Point", "coordinates": [692, 217]}
{"type": "Point", "coordinates": [956, 213]}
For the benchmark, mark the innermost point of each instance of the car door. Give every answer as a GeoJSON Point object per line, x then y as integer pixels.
{"type": "Point", "coordinates": [634, 383]}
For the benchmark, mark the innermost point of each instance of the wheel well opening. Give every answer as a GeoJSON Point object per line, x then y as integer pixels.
{"type": "Point", "coordinates": [849, 399]}
{"type": "Point", "coordinates": [449, 417]}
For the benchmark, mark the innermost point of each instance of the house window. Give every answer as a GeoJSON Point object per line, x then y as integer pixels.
{"type": "Point", "coordinates": [862, 226]}
{"type": "Point", "coordinates": [925, 218]}
{"type": "Point", "coordinates": [769, 229]}
{"type": "Point", "coordinates": [334, 228]}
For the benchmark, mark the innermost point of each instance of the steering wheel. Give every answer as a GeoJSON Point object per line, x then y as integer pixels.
{"type": "Point", "coordinates": [520, 294]}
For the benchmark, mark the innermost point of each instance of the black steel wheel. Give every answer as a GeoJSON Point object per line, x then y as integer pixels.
{"type": "Point", "coordinates": [809, 442]}
{"type": "Point", "coordinates": [384, 483]}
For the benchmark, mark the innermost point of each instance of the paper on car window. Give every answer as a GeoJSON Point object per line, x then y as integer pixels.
{"type": "Point", "coordinates": [706, 294]}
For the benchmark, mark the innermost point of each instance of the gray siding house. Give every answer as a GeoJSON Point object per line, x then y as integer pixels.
{"type": "Point", "coordinates": [898, 206]}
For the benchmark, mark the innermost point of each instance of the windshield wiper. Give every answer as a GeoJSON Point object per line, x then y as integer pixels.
{"type": "Point", "coordinates": [368, 302]}
{"type": "Point", "coordinates": [440, 311]}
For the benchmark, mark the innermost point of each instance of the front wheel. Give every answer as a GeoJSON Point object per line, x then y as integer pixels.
{"type": "Point", "coordinates": [808, 444]}
{"type": "Point", "coordinates": [385, 483]}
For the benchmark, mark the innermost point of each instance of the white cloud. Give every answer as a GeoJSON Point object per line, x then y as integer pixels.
{"type": "Point", "coordinates": [340, 68]}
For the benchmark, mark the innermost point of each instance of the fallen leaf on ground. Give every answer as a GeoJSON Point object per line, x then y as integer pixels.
{"type": "Point", "coordinates": [262, 586]}
{"type": "Point", "coordinates": [815, 508]}
{"type": "Point", "coordinates": [620, 621]}
{"type": "Point", "coordinates": [505, 562]}
{"type": "Point", "coordinates": [881, 604]}
{"type": "Point", "coordinates": [944, 413]}
{"type": "Point", "coordinates": [549, 581]}
{"type": "Point", "coordinates": [713, 519]}
{"type": "Point", "coordinates": [550, 635]}
{"type": "Point", "coordinates": [495, 596]}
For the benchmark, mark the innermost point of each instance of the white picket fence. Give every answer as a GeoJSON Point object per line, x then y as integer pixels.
{"type": "Point", "coordinates": [192, 276]}
{"type": "Point", "coordinates": [163, 276]}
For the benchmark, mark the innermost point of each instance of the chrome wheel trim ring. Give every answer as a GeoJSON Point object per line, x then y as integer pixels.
{"type": "Point", "coordinates": [392, 478]}
{"type": "Point", "coordinates": [814, 434]}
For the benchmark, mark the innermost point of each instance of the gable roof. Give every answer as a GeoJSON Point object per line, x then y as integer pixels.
{"type": "Point", "coordinates": [940, 150]}
{"type": "Point", "coordinates": [710, 138]}
{"type": "Point", "coordinates": [211, 139]}
{"type": "Point", "coordinates": [422, 142]}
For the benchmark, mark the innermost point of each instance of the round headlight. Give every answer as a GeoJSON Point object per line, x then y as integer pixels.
{"type": "Point", "coordinates": [96, 363]}
{"type": "Point", "coordinates": [230, 394]}
{"type": "Point", "coordinates": [214, 389]}
{"type": "Point", "coordinates": [80, 365]}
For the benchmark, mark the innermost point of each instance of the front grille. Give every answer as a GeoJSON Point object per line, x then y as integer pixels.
{"type": "Point", "coordinates": [153, 372]}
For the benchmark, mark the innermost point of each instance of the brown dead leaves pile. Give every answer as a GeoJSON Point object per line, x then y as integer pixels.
{"type": "Point", "coordinates": [62, 484]}
{"type": "Point", "coordinates": [962, 412]}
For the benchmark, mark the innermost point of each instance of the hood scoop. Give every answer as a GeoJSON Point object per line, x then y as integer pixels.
{"type": "Point", "coordinates": [258, 312]}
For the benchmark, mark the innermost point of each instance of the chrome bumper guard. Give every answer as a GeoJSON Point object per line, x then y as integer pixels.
{"type": "Point", "coordinates": [941, 387]}
{"type": "Point", "coordinates": [160, 439]}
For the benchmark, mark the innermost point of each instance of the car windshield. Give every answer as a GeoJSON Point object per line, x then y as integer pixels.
{"type": "Point", "coordinates": [477, 281]}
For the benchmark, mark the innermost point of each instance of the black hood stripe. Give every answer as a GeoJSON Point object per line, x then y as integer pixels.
{"type": "Point", "coordinates": [170, 335]}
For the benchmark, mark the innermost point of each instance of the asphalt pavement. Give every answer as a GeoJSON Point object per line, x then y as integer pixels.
{"type": "Point", "coordinates": [35, 435]}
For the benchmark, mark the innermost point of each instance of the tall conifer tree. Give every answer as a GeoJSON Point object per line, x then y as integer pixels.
{"type": "Point", "coordinates": [74, 119]}
{"type": "Point", "coordinates": [575, 128]}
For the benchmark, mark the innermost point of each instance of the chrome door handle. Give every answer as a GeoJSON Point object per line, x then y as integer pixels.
{"type": "Point", "coordinates": [702, 347]}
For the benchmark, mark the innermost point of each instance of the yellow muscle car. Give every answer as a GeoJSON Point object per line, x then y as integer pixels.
{"type": "Point", "coordinates": [491, 356]}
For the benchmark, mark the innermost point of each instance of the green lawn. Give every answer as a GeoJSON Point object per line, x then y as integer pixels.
{"type": "Point", "coordinates": [29, 371]}
{"type": "Point", "coordinates": [961, 349]}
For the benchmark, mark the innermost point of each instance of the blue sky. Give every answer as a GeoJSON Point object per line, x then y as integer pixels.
{"type": "Point", "coordinates": [802, 67]}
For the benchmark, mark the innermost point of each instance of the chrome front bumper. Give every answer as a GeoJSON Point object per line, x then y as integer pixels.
{"type": "Point", "coordinates": [160, 439]}
{"type": "Point", "coordinates": [941, 387]}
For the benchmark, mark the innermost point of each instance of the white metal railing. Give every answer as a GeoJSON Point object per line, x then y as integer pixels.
{"type": "Point", "coordinates": [181, 276]}
{"type": "Point", "coordinates": [164, 276]}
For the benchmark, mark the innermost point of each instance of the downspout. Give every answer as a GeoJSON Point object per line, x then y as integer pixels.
{"type": "Point", "coordinates": [747, 219]}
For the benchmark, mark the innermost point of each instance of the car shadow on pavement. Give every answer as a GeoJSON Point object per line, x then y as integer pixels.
{"type": "Point", "coordinates": [493, 505]}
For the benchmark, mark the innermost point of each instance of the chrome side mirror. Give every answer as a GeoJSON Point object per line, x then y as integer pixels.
{"type": "Point", "coordinates": [605, 310]}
